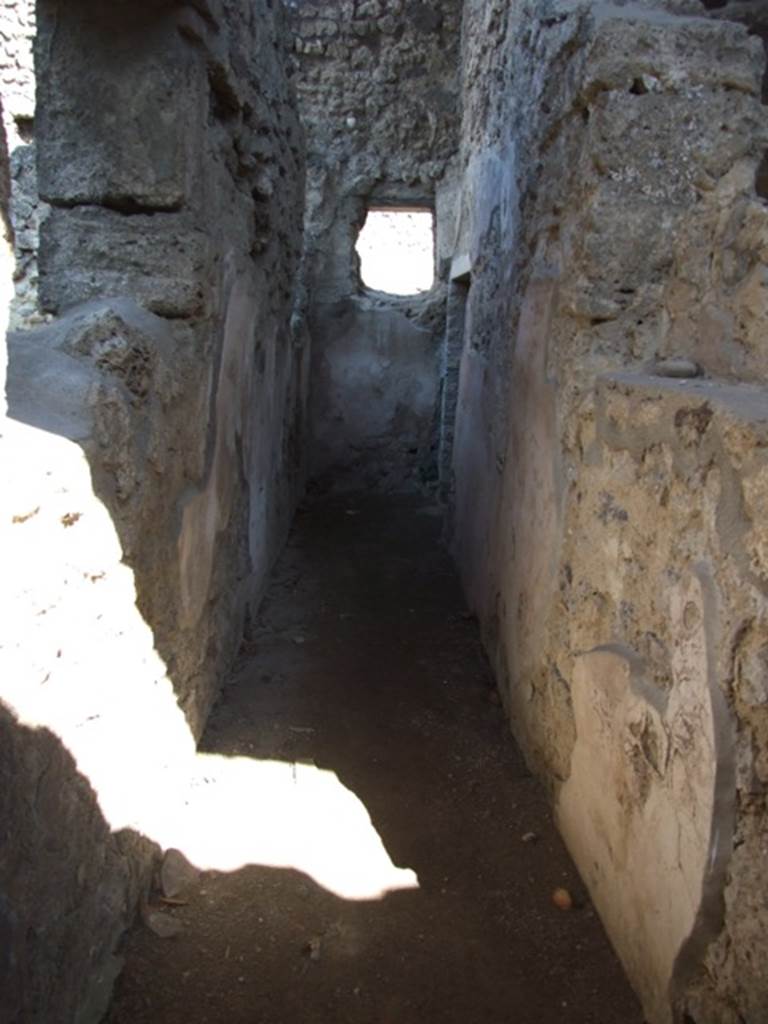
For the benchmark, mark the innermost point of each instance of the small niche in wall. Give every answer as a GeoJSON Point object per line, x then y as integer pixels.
{"type": "Point", "coordinates": [396, 246]}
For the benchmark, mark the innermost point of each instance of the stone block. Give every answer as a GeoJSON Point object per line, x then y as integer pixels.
{"type": "Point", "coordinates": [93, 253]}
{"type": "Point", "coordinates": [120, 126]}
{"type": "Point", "coordinates": [681, 53]}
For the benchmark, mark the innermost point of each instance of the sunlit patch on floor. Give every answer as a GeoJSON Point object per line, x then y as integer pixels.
{"type": "Point", "coordinates": [240, 811]}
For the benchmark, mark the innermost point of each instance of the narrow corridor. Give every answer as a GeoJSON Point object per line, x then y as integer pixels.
{"type": "Point", "coordinates": [365, 664]}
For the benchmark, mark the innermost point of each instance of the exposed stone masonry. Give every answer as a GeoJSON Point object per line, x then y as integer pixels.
{"type": "Point", "coordinates": [193, 211]}
{"type": "Point", "coordinates": [584, 386]}
{"type": "Point", "coordinates": [378, 94]}
{"type": "Point", "coordinates": [17, 33]}
{"type": "Point", "coordinates": [154, 455]}
{"type": "Point", "coordinates": [355, 61]}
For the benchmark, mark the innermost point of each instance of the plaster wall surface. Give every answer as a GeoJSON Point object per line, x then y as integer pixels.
{"type": "Point", "coordinates": [607, 457]}
{"type": "Point", "coordinates": [152, 455]}
{"type": "Point", "coordinates": [378, 93]}
{"type": "Point", "coordinates": [193, 212]}
{"type": "Point", "coordinates": [374, 396]}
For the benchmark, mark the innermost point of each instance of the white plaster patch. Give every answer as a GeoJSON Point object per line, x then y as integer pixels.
{"type": "Point", "coordinates": [638, 807]}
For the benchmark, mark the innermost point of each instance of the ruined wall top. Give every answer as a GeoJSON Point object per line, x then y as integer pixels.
{"type": "Point", "coordinates": [378, 84]}
{"type": "Point", "coordinates": [17, 32]}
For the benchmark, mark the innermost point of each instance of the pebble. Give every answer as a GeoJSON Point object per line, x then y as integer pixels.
{"type": "Point", "coordinates": [562, 899]}
{"type": "Point", "coordinates": [676, 368]}
{"type": "Point", "coordinates": [176, 873]}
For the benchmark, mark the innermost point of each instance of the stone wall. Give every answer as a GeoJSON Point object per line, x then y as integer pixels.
{"type": "Point", "coordinates": [193, 213]}
{"type": "Point", "coordinates": [610, 461]}
{"type": "Point", "coordinates": [597, 330]}
{"type": "Point", "coordinates": [152, 455]}
{"type": "Point", "coordinates": [378, 93]}
{"type": "Point", "coordinates": [753, 14]}
{"type": "Point", "coordinates": [17, 35]}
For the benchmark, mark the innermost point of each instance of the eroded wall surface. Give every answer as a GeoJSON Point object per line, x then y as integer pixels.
{"type": "Point", "coordinates": [377, 88]}
{"type": "Point", "coordinates": [610, 461]}
{"type": "Point", "coordinates": [188, 207]}
{"type": "Point", "coordinates": [152, 455]}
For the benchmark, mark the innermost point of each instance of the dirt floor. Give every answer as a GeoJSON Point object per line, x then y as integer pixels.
{"type": "Point", "coordinates": [365, 674]}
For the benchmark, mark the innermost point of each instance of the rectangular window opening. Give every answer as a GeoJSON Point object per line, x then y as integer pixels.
{"type": "Point", "coordinates": [396, 246]}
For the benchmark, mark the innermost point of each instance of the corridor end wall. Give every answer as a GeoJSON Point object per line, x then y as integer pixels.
{"type": "Point", "coordinates": [377, 84]}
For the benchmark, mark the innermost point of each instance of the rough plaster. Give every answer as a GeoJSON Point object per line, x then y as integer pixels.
{"type": "Point", "coordinates": [153, 455]}
{"type": "Point", "coordinates": [682, 437]}
{"type": "Point", "coordinates": [374, 394]}
{"type": "Point", "coordinates": [196, 231]}
{"type": "Point", "coordinates": [612, 221]}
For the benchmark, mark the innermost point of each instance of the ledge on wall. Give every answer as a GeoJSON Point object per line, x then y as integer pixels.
{"type": "Point", "coordinates": [461, 267]}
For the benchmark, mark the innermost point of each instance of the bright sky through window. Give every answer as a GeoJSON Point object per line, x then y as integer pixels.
{"type": "Point", "coordinates": [396, 250]}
